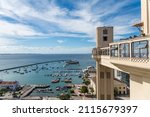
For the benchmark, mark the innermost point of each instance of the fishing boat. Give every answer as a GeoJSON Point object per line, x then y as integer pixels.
{"type": "Point", "coordinates": [72, 62]}
{"type": "Point", "coordinates": [55, 81]}
{"type": "Point", "coordinates": [68, 80]}
{"type": "Point", "coordinates": [58, 88]}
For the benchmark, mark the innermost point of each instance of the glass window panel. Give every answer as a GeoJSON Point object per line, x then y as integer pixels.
{"type": "Point", "coordinates": [124, 50]}
{"type": "Point", "coordinates": [140, 49]}
{"type": "Point", "coordinates": [114, 50]}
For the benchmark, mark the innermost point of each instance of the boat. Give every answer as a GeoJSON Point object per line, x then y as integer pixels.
{"type": "Point", "coordinates": [55, 81]}
{"type": "Point", "coordinates": [72, 62]}
{"type": "Point", "coordinates": [68, 80]}
{"type": "Point", "coordinates": [58, 88]}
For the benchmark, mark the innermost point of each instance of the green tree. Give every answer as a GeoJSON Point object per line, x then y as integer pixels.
{"type": "Point", "coordinates": [71, 90]}
{"type": "Point", "coordinates": [115, 92]}
{"type": "Point", "coordinates": [84, 90]}
{"type": "Point", "coordinates": [91, 90]}
{"type": "Point", "coordinates": [64, 96]}
{"type": "Point", "coordinates": [87, 82]}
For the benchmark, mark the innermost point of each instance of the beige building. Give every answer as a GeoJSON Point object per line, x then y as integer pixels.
{"type": "Point", "coordinates": [120, 86]}
{"type": "Point", "coordinates": [130, 56]}
{"type": "Point", "coordinates": [9, 84]}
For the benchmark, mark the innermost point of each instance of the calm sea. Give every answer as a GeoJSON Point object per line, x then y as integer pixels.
{"type": "Point", "coordinates": [45, 73]}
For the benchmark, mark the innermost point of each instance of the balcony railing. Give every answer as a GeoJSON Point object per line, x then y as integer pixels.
{"type": "Point", "coordinates": [135, 50]}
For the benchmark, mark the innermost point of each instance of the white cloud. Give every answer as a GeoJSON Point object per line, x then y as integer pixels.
{"type": "Point", "coordinates": [44, 50]}
{"type": "Point", "coordinates": [60, 41]}
{"type": "Point", "coordinates": [88, 15]}
{"type": "Point", "coordinates": [86, 23]}
{"type": "Point", "coordinates": [13, 29]}
{"type": "Point", "coordinates": [7, 42]}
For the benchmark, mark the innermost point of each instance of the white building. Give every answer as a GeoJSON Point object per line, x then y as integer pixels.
{"type": "Point", "coordinates": [9, 84]}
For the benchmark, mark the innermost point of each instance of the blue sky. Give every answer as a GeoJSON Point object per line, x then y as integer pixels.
{"type": "Point", "coordinates": [62, 26]}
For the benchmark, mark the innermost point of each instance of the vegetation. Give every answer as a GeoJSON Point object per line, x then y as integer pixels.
{"type": "Point", "coordinates": [86, 82]}
{"type": "Point", "coordinates": [64, 96]}
{"type": "Point", "coordinates": [3, 91]}
{"type": "Point", "coordinates": [86, 75]}
{"type": "Point", "coordinates": [84, 89]}
{"type": "Point", "coordinates": [91, 90]}
{"type": "Point", "coordinates": [115, 92]}
{"type": "Point", "coordinates": [71, 90]}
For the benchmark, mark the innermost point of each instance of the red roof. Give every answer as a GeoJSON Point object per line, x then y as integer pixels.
{"type": "Point", "coordinates": [7, 82]}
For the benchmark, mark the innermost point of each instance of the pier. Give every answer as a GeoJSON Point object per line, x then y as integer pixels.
{"type": "Point", "coordinates": [28, 90]}
{"type": "Point", "coordinates": [32, 64]}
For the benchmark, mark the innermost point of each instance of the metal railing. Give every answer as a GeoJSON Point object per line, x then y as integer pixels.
{"type": "Point", "coordinates": [135, 47]}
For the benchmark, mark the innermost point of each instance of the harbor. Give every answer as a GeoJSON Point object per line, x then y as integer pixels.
{"type": "Point", "coordinates": [59, 76]}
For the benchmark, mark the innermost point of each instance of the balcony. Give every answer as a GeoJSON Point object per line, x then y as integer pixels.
{"type": "Point", "coordinates": [132, 53]}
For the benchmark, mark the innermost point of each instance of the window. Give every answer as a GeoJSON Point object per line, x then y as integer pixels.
{"type": "Point", "coordinates": [140, 49]}
{"type": "Point", "coordinates": [105, 31]}
{"type": "Point", "coordinates": [104, 52]}
{"type": "Point", "coordinates": [114, 50]}
{"type": "Point", "coordinates": [102, 97]}
{"type": "Point", "coordinates": [124, 50]}
{"type": "Point", "coordinates": [102, 75]}
{"type": "Point", "coordinates": [108, 75]}
{"type": "Point", "coordinates": [118, 73]}
{"type": "Point", "coordinates": [105, 38]}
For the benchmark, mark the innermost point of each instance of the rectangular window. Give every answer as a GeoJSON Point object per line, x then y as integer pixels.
{"type": "Point", "coordinates": [140, 49]}
{"type": "Point", "coordinates": [102, 97]}
{"type": "Point", "coordinates": [105, 31]}
{"type": "Point", "coordinates": [105, 38]}
{"type": "Point", "coordinates": [124, 50]}
{"type": "Point", "coordinates": [108, 75]}
{"type": "Point", "coordinates": [118, 73]}
{"type": "Point", "coordinates": [114, 50]}
{"type": "Point", "coordinates": [102, 75]}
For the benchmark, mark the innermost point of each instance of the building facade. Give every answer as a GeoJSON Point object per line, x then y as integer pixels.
{"type": "Point", "coordinates": [130, 56]}
{"type": "Point", "coordinates": [9, 84]}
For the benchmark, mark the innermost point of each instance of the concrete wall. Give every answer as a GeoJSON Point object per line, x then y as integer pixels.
{"type": "Point", "coordinates": [145, 15]}
{"type": "Point", "coordinates": [140, 87]}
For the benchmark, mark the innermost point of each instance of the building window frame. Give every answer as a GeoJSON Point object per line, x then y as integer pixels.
{"type": "Point", "coordinates": [105, 31]}
{"type": "Point", "coordinates": [105, 38]}
{"type": "Point", "coordinates": [114, 50]}
{"type": "Point", "coordinates": [124, 50]}
{"type": "Point", "coordinates": [140, 49]}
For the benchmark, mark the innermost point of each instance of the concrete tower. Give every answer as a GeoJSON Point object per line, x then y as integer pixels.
{"type": "Point", "coordinates": [104, 75]}
{"type": "Point", "coordinates": [104, 36]}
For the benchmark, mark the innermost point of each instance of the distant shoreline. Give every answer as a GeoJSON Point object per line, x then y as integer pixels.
{"type": "Point", "coordinates": [44, 54]}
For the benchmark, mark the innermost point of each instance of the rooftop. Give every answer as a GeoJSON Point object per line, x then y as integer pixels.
{"type": "Point", "coordinates": [8, 82]}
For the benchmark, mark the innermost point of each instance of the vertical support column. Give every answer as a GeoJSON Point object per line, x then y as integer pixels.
{"type": "Point", "coordinates": [148, 17]}
{"type": "Point", "coordinates": [98, 80]}
{"type": "Point", "coordinates": [145, 15]}
{"type": "Point", "coordinates": [109, 83]}
{"type": "Point", "coordinates": [130, 50]}
{"type": "Point", "coordinates": [104, 82]}
{"type": "Point", "coordinates": [118, 51]}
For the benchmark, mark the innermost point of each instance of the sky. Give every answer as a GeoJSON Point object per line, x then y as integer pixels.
{"type": "Point", "coordinates": [62, 26]}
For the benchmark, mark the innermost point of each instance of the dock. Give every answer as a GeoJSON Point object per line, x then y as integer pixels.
{"type": "Point", "coordinates": [32, 64]}
{"type": "Point", "coordinates": [27, 90]}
